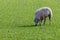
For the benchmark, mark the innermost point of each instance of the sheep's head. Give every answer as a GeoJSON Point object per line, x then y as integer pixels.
{"type": "Point", "coordinates": [36, 21]}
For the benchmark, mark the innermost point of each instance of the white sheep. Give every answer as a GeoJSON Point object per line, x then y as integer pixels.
{"type": "Point", "coordinates": [41, 14]}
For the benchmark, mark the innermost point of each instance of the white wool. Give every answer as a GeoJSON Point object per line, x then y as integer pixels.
{"type": "Point", "coordinates": [44, 8]}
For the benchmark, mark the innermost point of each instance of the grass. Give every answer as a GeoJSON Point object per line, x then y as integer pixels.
{"type": "Point", "coordinates": [16, 20]}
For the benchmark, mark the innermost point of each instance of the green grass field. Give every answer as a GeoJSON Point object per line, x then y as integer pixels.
{"type": "Point", "coordinates": [17, 20]}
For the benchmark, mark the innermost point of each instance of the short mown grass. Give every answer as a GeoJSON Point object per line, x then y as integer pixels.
{"type": "Point", "coordinates": [17, 20]}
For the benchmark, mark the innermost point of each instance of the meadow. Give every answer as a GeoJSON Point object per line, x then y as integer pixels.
{"type": "Point", "coordinates": [17, 20]}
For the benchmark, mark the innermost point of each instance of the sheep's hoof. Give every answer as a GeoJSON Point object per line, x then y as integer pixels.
{"type": "Point", "coordinates": [43, 24]}
{"type": "Point", "coordinates": [35, 24]}
{"type": "Point", "coordinates": [40, 25]}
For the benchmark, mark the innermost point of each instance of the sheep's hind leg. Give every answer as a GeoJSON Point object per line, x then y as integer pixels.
{"type": "Point", "coordinates": [49, 19]}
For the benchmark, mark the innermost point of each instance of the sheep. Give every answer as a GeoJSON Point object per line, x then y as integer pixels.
{"type": "Point", "coordinates": [41, 14]}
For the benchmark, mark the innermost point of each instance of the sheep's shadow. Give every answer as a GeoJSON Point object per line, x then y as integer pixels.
{"type": "Point", "coordinates": [27, 26]}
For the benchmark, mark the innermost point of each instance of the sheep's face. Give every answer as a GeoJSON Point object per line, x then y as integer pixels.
{"type": "Point", "coordinates": [36, 21]}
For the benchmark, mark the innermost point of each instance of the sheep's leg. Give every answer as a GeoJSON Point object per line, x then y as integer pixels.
{"type": "Point", "coordinates": [49, 19]}
{"type": "Point", "coordinates": [40, 22]}
{"type": "Point", "coordinates": [44, 20]}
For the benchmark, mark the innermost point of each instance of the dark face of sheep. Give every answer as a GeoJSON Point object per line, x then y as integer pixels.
{"type": "Point", "coordinates": [36, 21]}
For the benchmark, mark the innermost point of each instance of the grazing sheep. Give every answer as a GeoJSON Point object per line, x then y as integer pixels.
{"type": "Point", "coordinates": [41, 14]}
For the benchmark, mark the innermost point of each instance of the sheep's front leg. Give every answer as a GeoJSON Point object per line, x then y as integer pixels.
{"type": "Point", "coordinates": [44, 20]}
{"type": "Point", "coordinates": [40, 22]}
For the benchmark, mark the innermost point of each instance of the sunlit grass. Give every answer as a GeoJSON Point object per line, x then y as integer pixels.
{"type": "Point", "coordinates": [17, 20]}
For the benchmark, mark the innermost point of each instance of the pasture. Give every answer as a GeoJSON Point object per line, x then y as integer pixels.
{"type": "Point", "coordinates": [17, 20]}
